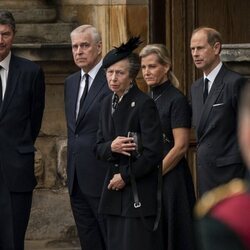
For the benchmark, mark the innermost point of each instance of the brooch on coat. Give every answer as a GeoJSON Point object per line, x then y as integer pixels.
{"type": "Point", "coordinates": [132, 104]}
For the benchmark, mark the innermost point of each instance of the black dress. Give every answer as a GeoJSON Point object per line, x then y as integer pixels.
{"type": "Point", "coordinates": [178, 189]}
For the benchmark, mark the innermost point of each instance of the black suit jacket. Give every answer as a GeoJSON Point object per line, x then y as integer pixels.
{"type": "Point", "coordinates": [136, 112]}
{"type": "Point", "coordinates": [82, 134]}
{"type": "Point", "coordinates": [218, 156]}
{"type": "Point", "coordinates": [20, 121]}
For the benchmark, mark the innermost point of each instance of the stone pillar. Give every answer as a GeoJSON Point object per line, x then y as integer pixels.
{"type": "Point", "coordinates": [117, 20]}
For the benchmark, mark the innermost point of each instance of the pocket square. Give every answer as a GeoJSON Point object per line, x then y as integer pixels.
{"type": "Point", "coordinates": [218, 104]}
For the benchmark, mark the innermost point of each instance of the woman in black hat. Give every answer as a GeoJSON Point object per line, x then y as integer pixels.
{"type": "Point", "coordinates": [129, 198]}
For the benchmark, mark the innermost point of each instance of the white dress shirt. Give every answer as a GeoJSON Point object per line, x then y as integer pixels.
{"type": "Point", "coordinates": [4, 72]}
{"type": "Point", "coordinates": [92, 74]}
{"type": "Point", "coordinates": [212, 75]}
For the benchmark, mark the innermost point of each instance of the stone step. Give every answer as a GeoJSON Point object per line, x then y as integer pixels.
{"type": "Point", "coordinates": [44, 51]}
{"type": "Point", "coordinates": [34, 15]}
{"type": "Point", "coordinates": [44, 33]}
{"type": "Point", "coordinates": [52, 245]}
{"type": "Point", "coordinates": [17, 4]}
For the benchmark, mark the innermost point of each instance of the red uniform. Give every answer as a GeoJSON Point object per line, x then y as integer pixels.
{"type": "Point", "coordinates": [223, 218]}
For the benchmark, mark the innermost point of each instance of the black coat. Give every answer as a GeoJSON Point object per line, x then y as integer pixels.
{"type": "Point", "coordinates": [218, 155]}
{"type": "Point", "coordinates": [82, 134]}
{"type": "Point", "coordinates": [136, 113]}
{"type": "Point", "coordinates": [20, 121]}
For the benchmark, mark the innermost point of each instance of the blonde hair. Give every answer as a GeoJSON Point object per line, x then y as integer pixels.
{"type": "Point", "coordinates": [162, 53]}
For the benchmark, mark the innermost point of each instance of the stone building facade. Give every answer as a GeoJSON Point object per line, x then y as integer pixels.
{"type": "Point", "coordinates": [43, 28]}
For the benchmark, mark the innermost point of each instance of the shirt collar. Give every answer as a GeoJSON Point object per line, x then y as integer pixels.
{"type": "Point", "coordinates": [5, 63]}
{"type": "Point", "coordinates": [93, 72]}
{"type": "Point", "coordinates": [211, 76]}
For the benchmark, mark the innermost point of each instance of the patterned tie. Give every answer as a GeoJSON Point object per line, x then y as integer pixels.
{"type": "Point", "coordinates": [205, 92]}
{"type": "Point", "coordinates": [85, 91]}
{"type": "Point", "coordinates": [115, 101]}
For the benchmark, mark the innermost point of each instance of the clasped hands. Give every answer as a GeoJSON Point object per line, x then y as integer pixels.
{"type": "Point", "coordinates": [116, 183]}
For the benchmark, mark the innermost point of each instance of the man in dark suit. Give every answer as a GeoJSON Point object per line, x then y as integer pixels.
{"type": "Point", "coordinates": [22, 92]}
{"type": "Point", "coordinates": [82, 107]}
{"type": "Point", "coordinates": [222, 215]}
{"type": "Point", "coordinates": [214, 106]}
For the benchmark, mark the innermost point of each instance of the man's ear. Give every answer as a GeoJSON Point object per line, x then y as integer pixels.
{"type": "Point", "coordinates": [217, 47]}
{"type": "Point", "coordinates": [99, 47]}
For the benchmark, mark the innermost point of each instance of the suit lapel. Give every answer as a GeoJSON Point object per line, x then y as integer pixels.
{"type": "Point", "coordinates": [12, 82]}
{"type": "Point", "coordinates": [72, 93]}
{"type": "Point", "coordinates": [214, 93]}
{"type": "Point", "coordinates": [198, 98]}
{"type": "Point", "coordinates": [109, 116]}
{"type": "Point", "coordinates": [96, 86]}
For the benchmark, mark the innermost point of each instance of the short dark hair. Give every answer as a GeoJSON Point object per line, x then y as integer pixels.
{"type": "Point", "coordinates": [6, 17]}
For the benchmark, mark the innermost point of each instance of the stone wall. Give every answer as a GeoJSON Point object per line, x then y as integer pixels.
{"type": "Point", "coordinates": [117, 20]}
{"type": "Point", "coordinates": [237, 57]}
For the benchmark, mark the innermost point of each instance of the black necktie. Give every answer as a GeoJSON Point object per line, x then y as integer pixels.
{"type": "Point", "coordinates": [85, 91]}
{"type": "Point", "coordinates": [1, 88]}
{"type": "Point", "coordinates": [205, 92]}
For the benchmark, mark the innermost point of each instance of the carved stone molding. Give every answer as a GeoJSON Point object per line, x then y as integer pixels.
{"type": "Point", "coordinates": [237, 57]}
{"type": "Point", "coordinates": [235, 52]}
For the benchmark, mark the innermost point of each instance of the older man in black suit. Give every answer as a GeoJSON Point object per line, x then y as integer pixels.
{"type": "Point", "coordinates": [214, 105]}
{"type": "Point", "coordinates": [22, 92]}
{"type": "Point", "coordinates": [84, 92]}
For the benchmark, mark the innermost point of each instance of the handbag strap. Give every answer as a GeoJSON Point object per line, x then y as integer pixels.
{"type": "Point", "coordinates": [137, 203]}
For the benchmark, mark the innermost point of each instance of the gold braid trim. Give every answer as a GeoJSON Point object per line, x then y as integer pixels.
{"type": "Point", "coordinates": [211, 198]}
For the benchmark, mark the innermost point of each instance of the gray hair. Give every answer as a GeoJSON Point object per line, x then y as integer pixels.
{"type": "Point", "coordinates": [6, 17]}
{"type": "Point", "coordinates": [90, 29]}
